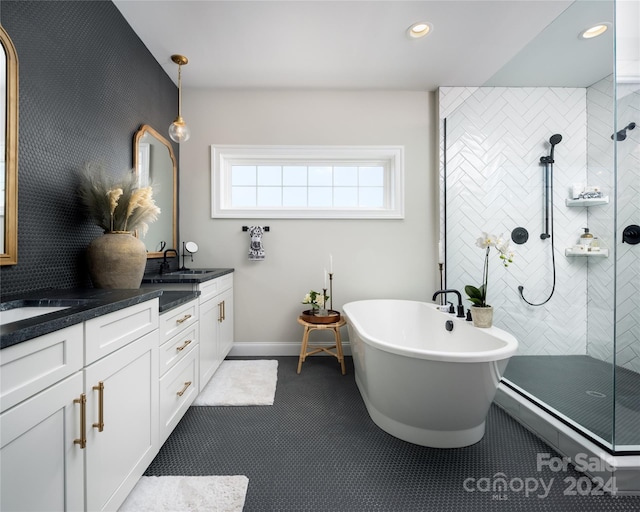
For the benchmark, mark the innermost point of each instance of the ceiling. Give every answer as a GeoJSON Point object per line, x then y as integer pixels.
{"type": "Point", "coordinates": [360, 44]}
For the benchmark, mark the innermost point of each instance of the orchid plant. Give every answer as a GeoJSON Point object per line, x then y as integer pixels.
{"type": "Point", "coordinates": [478, 296]}
{"type": "Point", "coordinates": [317, 300]}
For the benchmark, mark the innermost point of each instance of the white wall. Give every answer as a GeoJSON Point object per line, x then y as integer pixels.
{"type": "Point", "coordinates": [371, 258]}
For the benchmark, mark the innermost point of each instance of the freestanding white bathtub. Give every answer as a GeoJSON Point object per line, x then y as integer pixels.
{"type": "Point", "coordinates": [419, 381]}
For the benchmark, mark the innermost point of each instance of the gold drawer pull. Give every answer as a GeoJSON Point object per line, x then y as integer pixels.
{"type": "Point", "coordinates": [183, 346]}
{"type": "Point", "coordinates": [220, 312]}
{"type": "Point", "coordinates": [182, 391]}
{"type": "Point", "coordinates": [183, 319]}
{"type": "Point", "coordinates": [83, 420]}
{"type": "Point", "coordinates": [100, 389]}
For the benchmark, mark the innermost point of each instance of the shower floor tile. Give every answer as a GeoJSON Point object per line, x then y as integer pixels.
{"type": "Point", "coordinates": [582, 388]}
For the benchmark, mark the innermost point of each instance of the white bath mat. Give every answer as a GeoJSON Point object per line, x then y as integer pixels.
{"type": "Point", "coordinates": [246, 382]}
{"type": "Point", "coordinates": [187, 493]}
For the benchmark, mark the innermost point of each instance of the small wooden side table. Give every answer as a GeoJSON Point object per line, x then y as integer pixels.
{"type": "Point", "coordinates": [307, 350]}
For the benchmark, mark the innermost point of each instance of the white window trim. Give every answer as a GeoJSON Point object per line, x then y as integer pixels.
{"type": "Point", "coordinates": [223, 156]}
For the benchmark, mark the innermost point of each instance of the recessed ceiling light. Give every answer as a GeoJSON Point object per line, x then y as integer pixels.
{"type": "Point", "coordinates": [594, 31]}
{"type": "Point", "coordinates": [419, 29]}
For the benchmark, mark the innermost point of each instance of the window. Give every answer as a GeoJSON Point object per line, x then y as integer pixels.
{"type": "Point", "coordinates": [307, 182]}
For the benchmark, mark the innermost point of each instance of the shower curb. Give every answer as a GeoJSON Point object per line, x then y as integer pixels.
{"type": "Point", "coordinates": [569, 443]}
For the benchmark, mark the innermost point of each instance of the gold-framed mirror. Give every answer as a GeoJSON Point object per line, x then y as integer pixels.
{"type": "Point", "coordinates": [9, 152]}
{"type": "Point", "coordinates": [155, 164]}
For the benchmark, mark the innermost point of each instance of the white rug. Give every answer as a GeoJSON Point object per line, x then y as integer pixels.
{"type": "Point", "coordinates": [187, 493]}
{"type": "Point", "coordinates": [243, 382]}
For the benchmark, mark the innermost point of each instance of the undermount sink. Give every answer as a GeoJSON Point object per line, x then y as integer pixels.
{"type": "Point", "coordinates": [190, 272]}
{"type": "Point", "coordinates": [22, 313]}
{"type": "Point", "coordinates": [14, 311]}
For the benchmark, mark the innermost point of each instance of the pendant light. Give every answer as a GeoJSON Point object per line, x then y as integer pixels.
{"type": "Point", "coordinates": [179, 131]}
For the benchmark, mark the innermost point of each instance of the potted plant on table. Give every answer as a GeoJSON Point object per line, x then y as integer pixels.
{"type": "Point", "coordinates": [318, 313]}
{"type": "Point", "coordinates": [481, 312]}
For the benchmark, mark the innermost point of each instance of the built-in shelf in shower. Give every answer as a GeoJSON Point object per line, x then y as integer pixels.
{"type": "Point", "coordinates": [602, 253]}
{"type": "Point", "coordinates": [592, 201]}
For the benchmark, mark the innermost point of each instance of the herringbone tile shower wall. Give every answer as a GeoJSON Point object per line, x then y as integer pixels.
{"type": "Point", "coordinates": [628, 257]}
{"type": "Point", "coordinates": [495, 182]}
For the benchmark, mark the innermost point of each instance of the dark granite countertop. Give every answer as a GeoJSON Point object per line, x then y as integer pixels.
{"type": "Point", "coordinates": [170, 299]}
{"type": "Point", "coordinates": [83, 304]}
{"type": "Point", "coordinates": [198, 275]}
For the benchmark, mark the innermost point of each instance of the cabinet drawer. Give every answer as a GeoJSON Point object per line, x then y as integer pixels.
{"type": "Point", "coordinates": [178, 389]}
{"type": "Point", "coordinates": [109, 332]}
{"type": "Point", "coordinates": [177, 320]}
{"type": "Point", "coordinates": [210, 289]}
{"type": "Point", "coordinates": [178, 347]}
{"type": "Point", "coordinates": [31, 366]}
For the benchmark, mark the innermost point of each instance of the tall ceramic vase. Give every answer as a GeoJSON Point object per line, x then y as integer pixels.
{"type": "Point", "coordinates": [117, 259]}
{"type": "Point", "coordinates": [482, 316]}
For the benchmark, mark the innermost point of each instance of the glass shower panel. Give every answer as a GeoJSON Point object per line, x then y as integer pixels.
{"type": "Point", "coordinates": [493, 181]}
{"type": "Point", "coordinates": [627, 149]}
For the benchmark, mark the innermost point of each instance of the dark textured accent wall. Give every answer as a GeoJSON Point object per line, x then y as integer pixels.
{"type": "Point", "coordinates": [87, 83]}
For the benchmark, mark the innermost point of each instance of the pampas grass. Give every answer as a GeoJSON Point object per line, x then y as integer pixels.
{"type": "Point", "coordinates": [116, 203]}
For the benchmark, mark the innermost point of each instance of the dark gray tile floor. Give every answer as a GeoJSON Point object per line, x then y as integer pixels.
{"type": "Point", "coordinates": [316, 449]}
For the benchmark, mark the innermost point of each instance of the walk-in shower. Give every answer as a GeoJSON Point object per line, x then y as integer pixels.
{"type": "Point", "coordinates": [579, 331]}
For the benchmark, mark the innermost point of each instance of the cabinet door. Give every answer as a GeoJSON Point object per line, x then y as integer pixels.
{"type": "Point", "coordinates": [225, 334]}
{"type": "Point", "coordinates": [120, 450]}
{"type": "Point", "coordinates": [42, 468]}
{"type": "Point", "coordinates": [210, 315]}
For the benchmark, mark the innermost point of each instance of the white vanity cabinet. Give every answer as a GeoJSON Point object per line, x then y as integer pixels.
{"type": "Point", "coordinates": [215, 318]}
{"type": "Point", "coordinates": [122, 402]}
{"type": "Point", "coordinates": [178, 365]}
{"type": "Point", "coordinates": [216, 324]}
{"type": "Point", "coordinates": [41, 466]}
{"type": "Point", "coordinates": [82, 441]}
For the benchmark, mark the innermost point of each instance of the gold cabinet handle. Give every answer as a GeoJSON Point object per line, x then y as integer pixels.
{"type": "Point", "coordinates": [224, 311]}
{"type": "Point", "coordinates": [182, 391]}
{"type": "Point", "coordinates": [220, 317]}
{"type": "Point", "coordinates": [183, 346]}
{"type": "Point", "coordinates": [100, 389]}
{"type": "Point", "coordinates": [183, 319]}
{"type": "Point", "coordinates": [83, 421]}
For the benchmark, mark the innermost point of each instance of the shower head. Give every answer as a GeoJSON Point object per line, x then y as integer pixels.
{"type": "Point", "coordinates": [553, 140]}
{"type": "Point", "coordinates": [622, 134]}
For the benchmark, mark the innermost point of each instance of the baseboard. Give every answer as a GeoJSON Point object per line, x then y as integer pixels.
{"type": "Point", "coordinates": [256, 348]}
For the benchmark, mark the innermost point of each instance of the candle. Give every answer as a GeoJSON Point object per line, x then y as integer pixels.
{"type": "Point", "coordinates": [440, 253]}
{"type": "Point", "coordinates": [325, 278]}
{"type": "Point", "coordinates": [331, 263]}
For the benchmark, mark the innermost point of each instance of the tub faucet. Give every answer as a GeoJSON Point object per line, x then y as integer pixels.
{"type": "Point", "coordinates": [460, 306]}
{"type": "Point", "coordinates": [165, 266]}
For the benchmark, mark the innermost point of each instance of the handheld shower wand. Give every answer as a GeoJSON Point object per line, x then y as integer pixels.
{"type": "Point", "coordinates": [548, 161]}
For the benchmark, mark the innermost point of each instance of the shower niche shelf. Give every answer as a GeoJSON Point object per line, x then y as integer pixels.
{"type": "Point", "coordinates": [594, 201]}
{"type": "Point", "coordinates": [602, 253]}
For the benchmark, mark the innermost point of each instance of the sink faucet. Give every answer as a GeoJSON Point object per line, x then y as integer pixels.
{"type": "Point", "coordinates": [165, 266]}
{"type": "Point", "coordinates": [460, 306]}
